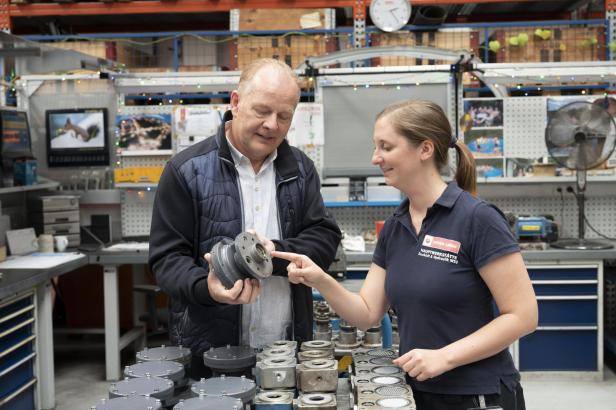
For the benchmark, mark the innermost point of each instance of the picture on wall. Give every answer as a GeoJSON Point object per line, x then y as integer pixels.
{"type": "Point", "coordinates": [71, 129]}
{"type": "Point", "coordinates": [485, 142]}
{"type": "Point", "coordinates": [484, 112]}
{"type": "Point", "coordinates": [144, 132]}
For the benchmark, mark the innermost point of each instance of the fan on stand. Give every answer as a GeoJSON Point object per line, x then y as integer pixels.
{"type": "Point", "coordinates": [580, 136]}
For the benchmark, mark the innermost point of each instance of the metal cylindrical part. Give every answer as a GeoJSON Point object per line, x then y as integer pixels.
{"type": "Point", "coordinates": [372, 337]}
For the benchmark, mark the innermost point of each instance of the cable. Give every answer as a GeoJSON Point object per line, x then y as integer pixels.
{"type": "Point", "coordinates": [592, 228]}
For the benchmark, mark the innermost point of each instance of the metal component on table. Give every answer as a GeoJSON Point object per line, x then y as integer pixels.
{"type": "Point", "coordinates": [280, 344]}
{"type": "Point", "coordinates": [372, 396]}
{"type": "Point", "coordinates": [230, 359]}
{"type": "Point", "coordinates": [178, 354]}
{"type": "Point", "coordinates": [166, 369]}
{"type": "Point", "coordinates": [202, 402]}
{"type": "Point", "coordinates": [307, 355]}
{"type": "Point", "coordinates": [133, 402]}
{"type": "Point", "coordinates": [244, 257]}
{"type": "Point", "coordinates": [273, 400]}
{"type": "Point", "coordinates": [372, 337]}
{"type": "Point", "coordinates": [323, 330]}
{"type": "Point", "coordinates": [317, 376]}
{"type": "Point", "coordinates": [318, 345]}
{"type": "Point", "coordinates": [379, 380]}
{"type": "Point", "coordinates": [347, 338]}
{"type": "Point", "coordinates": [231, 386]}
{"type": "Point", "coordinates": [275, 352]}
{"type": "Point", "coordinates": [316, 401]}
{"type": "Point", "coordinates": [276, 373]}
{"type": "Point", "coordinates": [156, 387]}
{"type": "Point", "coordinates": [385, 403]}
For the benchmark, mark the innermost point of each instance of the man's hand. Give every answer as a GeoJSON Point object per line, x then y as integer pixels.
{"type": "Point", "coordinates": [267, 244]}
{"type": "Point", "coordinates": [423, 364]}
{"type": "Point", "coordinates": [242, 292]}
{"type": "Point", "coordinates": [302, 269]}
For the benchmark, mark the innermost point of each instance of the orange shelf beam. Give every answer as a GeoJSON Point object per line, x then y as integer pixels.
{"type": "Point", "coordinates": [195, 6]}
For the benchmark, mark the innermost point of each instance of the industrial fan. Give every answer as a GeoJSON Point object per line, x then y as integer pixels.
{"type": "Point", "coordinates": [580, 136]}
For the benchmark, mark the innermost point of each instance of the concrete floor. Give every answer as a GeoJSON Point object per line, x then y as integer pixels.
{"type": "Point", "coordinates": [80, 384]}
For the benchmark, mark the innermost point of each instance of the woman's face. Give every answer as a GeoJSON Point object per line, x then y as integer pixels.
{"type": "Point", "coordinates": [398, 159]}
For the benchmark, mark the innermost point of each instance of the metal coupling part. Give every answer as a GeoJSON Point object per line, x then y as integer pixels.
{"type": "Point", "coordinates": [275, 352]}
{"type": "Point", "coordinates": [244, 257]}
{"type": "Point", "coordinates": [307, 355]}
{"type": "Point", "coordinates": [317, 376]}
{"type": "Point", "coordinates": [318, 345]}
{"type": "Point", "coordinates": [372, 337]}
{"type": "Point", "coordinates": [178, 354]}
{"type": "Point", "coordinates": [156, 387]}
{"type": "Point", "coordinates": [166, 369]}
{"type": "Point", "coordinates": [230, 359]}
{"type": "Point", "coordinates": [274, 400]}
{"type": "Point", "coordinates": [230, 386]}
{"type": "Point", "coordinates": [210, 402]}
{"type": "Point", "coordinates": [132, 402]}
{"type": "Point", "coordinates": [316, 401]}
{"type": "Point", "coordinates": [276, 373]}
{"type": "Point", "coordinates": [288, 344]}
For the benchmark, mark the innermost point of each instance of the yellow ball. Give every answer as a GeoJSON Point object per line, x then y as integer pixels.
{"type": "Point", "coordinates": [494, 46]}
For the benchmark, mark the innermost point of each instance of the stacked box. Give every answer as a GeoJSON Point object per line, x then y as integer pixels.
{"type": "Point", "coordinates": [99, 49]}
{"type": "Point", "coordinates": [282, 19]}
{"type": "Point", "coordinates": [252, 48]}
{"type": "Point", "coordinates": [56, 215]}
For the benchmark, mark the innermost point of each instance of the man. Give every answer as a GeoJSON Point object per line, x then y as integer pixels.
{"type": "Point", "coordinates": [245, 177]}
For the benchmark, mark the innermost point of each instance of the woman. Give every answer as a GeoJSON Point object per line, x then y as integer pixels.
{"type": "Point", "coordinates": [440, 261]}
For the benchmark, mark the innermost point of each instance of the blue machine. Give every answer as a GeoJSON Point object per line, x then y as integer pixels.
{"type": "Point", "coordinates": [535, 228]}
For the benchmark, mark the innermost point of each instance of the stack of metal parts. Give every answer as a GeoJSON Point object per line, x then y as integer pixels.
{"type": "Point", "coordinates": [348, 339]}
{"type": "Point", "coordinates": [322, 316]}
{"type": "Point", "coordinates": [377, 383]}
{"type": "Point", "coordinates": [276, 377]}
{"type": "Point", "coordinates": [317, 376]}
{"type": "Point", "coordinates": [230, 360]}
{"type": "Point", "coordinates": [157, 379]}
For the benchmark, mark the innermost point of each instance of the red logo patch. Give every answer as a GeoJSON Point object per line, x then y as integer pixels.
{"type": "Point", "coordinates": [442, 244]}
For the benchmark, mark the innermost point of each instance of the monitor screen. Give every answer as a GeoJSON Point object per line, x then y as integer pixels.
{"type": "Point", "coordinates": [14, 134]}
{"type": "Point", "coordinates": [77, 137]}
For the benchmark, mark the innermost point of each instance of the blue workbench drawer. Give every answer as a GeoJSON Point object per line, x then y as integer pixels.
{"type": "Point", "coordinates": [562, 273]}
{"type": "Point", "coordinates": [567, 312]}
{"type": "Point", "coordinates": [559, 350]}
{"type": "Point", "coordinates": [573, 289]}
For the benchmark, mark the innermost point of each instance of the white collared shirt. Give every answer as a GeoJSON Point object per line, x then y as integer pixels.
{"type": "Point", "coordinates": [269, 318]}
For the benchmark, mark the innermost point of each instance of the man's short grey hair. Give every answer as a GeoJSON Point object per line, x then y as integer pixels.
{"type": "Point", "coordinates": [251, 70]}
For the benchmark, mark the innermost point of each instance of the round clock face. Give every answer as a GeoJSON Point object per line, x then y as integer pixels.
{"type": "Point", "coordinates": [390, 15]}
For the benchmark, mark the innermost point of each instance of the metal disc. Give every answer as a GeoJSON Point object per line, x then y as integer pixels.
{"type": "Point", "coordinates": [143, 386]}
{"type": "Point", "coordinates": [129, 403]}
{"type": "Point", "coordinates": [251, 256]}
{"type": "Point", "coordinates": [230, 358]}
{"type": "Point", "coordinates": [210, 402]}
{"type": "Point", "coordinates": [239, 387]}
{"type": "Point", "coordinates": [166, 369]}
{"type": "Point", "coordinates": [178, 354]}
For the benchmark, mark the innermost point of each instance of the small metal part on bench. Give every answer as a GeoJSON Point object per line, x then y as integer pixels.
{"type": "Point", "coordinates": [276, 373]}
{"type": "Point", "coordinates": [166, 369]}
{"type": "Point", "coordinates": [244, 257]}
{"type": "Point", "coordinates": [274, 400]}
{"type": "Point", "coordinates": [317, 376]}
{"type": "Point", "coordinates": [347, 337]}
{"type": "Point", "coordinates": [326, 345]}
{"type": "Point", "coordinates": [156, 387]}
{"type": "Point", "coordinates": [273, 352]}
{"type": "Point", "coordinates": [178, 354]}
{"type": "Point", "coordinates": [203, 402]}
{"type": "Point", "coordinates": [230, 359]}
{"type": "Point", "coordinates": [132, 402]}
{"type": "Point", "coordinates": [231, 386]}
{"type": "Point", "coordinates": [288, 344]}
{"type": "Point", "coordinates": [307, 355]}
{"type": "Point", "coordinates": [316, 401]}
{"type": "Point", "coordinates": [372, 337]}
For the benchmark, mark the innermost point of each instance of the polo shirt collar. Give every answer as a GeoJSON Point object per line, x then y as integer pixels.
{"type": "Point", "coordinates": [447, 199]}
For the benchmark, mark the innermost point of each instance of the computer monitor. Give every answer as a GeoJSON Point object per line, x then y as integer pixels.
{"type": "Point", "coordinates": [77, 137]}
{"type": "Point", "coordinates": [15, 141]}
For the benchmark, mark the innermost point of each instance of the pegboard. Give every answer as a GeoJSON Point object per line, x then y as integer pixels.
{"type": "Point", "coordinates": [610, 15]}
{"type": "Point", "coordinates": [524, 121]}
{"type": "Point", "coordinates": [355, 220]}
{"type": "Point", "coordinates": [136, 209]}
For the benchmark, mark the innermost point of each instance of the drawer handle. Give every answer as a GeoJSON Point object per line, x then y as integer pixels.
{"type": "Point", "coordinates": [15, 314]}
{"type": "Point", "coordinates": [17, 346]}
{"type": "Point", "coordinates": [16, 365]}
{"type": "Point", "coordinates": [17, 392]}
{"type": "Point", "coordinates": [585, 297]}
{"type": "Point", "coordinates": [10, 301]}
{"type": "Point", "coordinates": [17, 327]}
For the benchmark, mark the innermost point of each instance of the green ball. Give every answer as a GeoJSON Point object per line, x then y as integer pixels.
{"type": "Point", "coordinates": [494, 46]}
{"type": "Point", "coordinates": [522, 39]}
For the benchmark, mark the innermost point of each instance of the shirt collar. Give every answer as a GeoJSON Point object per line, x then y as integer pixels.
{"type": "Point", "coordinates": [447, 199]}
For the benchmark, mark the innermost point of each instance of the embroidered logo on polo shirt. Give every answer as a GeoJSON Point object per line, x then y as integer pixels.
{"type": "Point", "coordinates": [442, 249]}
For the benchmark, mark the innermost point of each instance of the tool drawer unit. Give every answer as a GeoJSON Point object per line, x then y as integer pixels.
{"type": "Point", "coordinates": [17, 352]}
{"type": "Point", "coordinates": [569, 336]}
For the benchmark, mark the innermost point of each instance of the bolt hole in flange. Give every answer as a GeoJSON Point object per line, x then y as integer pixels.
{"type": "Point", "coordinates": [244, 257]}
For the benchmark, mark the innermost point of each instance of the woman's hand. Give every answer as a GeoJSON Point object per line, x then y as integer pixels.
{"type": "Point", "coordinates": [423, 364]}
{"type": "Point", "coordinates": [302, 269]}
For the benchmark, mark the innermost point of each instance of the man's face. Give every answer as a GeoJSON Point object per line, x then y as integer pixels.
{"type": "Point", "coordinates": [262, 113]}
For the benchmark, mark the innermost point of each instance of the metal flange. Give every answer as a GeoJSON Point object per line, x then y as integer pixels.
{"type": "Point", "coordinates": [178, 354]}
{"type": "Point", "coordinates": [244, 257]}
{"type": "Point", "coordinates": [230, 359]}
{"type": "Point", "coordinates": [133, 402]}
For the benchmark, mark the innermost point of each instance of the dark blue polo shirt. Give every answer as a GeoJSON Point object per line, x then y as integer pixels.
{"type": "Point", "coordinates": [434, 286]}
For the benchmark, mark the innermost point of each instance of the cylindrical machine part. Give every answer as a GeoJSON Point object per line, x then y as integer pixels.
{"type": "Point", "coordinates": [203, 402]}
{"type": "Point", "coordinates": [372, 337]}
{"type": "Point", "coordinates": [132, 402]}
{"type": "Point", "coordinates": [166, 369]}
{"type": "Point", "coordinates": [156, 387]}
{"type": "Point", "coordinates": [239, 387]}
{"type": "Point", "coordinates": [178, 354]}
{"type": "Point", "coordinates": [274, 400]}
{"type": "Point", "coordinates": [244, 257]}
{"type": "Point", "coordinates": [230, 360]}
